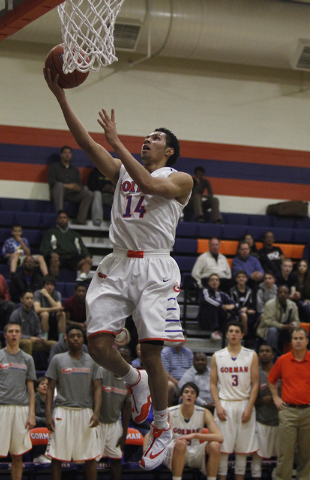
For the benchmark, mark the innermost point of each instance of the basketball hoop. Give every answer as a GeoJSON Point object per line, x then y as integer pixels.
{"type": "Point", "coordinates": [87, 28]}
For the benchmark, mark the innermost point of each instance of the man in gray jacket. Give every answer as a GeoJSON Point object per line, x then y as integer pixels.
{"type": "Point", "coordinates": [280, 319]}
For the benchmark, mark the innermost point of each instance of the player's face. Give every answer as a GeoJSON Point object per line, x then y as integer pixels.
{"type": "Point", "coordinates": [13, 335]}
{"type": "Point", "coordinates": [299, 341]}
{"type": "Point", "coordinates": [265, 354]}
{"type": "Point", "coordinates": [42, 387]}
{"type": "Point", "coordinates": [27, 300]}
{"type": "Point", "coordinates": [234, 335]}
{"type": "Point", "coordinates": [269, 281]}
{"type": "Point", "coordinates": [75, 340]}
{"type": "Point", "coordinates": [154, 147]}
{"type": "Point", "coordinates": [200, 362]}
{"type": "Point", "coordinates": [188, 396]}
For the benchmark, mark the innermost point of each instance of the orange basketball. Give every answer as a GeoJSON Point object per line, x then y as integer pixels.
{"type": "Point", "coordinates": [54, 61]}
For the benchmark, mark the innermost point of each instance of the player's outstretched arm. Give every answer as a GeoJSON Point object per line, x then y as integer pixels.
{"type": "Point", "coordinates": [177, 185]}
{"type": "Point", "coordinates": [107, 165]}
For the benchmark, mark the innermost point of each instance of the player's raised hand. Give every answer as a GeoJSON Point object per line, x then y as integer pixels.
{"type": "Point", "coordinates": [109, 126]}
{"type": "Point", "coordinates": [53, 84]}
{"type": "Point", "coordinates": [221, 413]}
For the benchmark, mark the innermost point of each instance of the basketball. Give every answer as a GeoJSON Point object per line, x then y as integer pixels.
{"type": "Point", "coordinates": [54, 61]}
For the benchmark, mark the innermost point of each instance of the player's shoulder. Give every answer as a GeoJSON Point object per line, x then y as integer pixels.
{"type": "Point", "coordinates": [220, 353]}
{"type": "Point", "coordinates": [174, 409]}
{"type": "Point", "coordinates": [199, 409]}
{"type": "Point", "coordinates": [247, 351]}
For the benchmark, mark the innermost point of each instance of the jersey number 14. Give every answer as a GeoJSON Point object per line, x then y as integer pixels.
{"type": "Point", "coordinates": [140, 209]}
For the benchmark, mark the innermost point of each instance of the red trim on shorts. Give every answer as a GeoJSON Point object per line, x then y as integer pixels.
{"type": "Point", "coordinates": [242, 453]}
{"type": "Point", "coordinates": [26, 451]}
{"type": "Point", "coordinates": [112, 458]}
{"type": "Point", "coordinates": [135, 253]}
{"type": "Point", "coordinates": [162, 340]}
{"type": "Point", "coordinates": [101, 331]}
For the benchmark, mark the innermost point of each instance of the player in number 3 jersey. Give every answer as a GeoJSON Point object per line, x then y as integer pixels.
{"type": "Point", "coordinates": [139, 278]}
{"type": "Point", "coordinates": [234, 383]}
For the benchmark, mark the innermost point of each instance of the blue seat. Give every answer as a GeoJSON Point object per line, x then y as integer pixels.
{"type": "Point", "coordinates": [302, 236]}
{"type": "Point", "coordinates": [208, 230]}
{"type": "Point", "coordinates": [7, 219]}
{"type": "Point", "coordinates": [4, 234]}
{"type": "Point", "coordinates": [12, 204]}
{"type": "Point", "coordinates": [232, 232]}
{"type": "Point", "coordinates": [187, 229]}
{"type": "Point", "coordinates": [70, 286]}
{"type": "Point", "coordinates": [237, 219]}
{"type": "Point", "coordinates": [28, 219]}
{"type": "Point", "coordinates": [5, 271]}
{"type": "Point", "coordinates": [66, 275]}
{"type": "Point", "coordinates": [185, 263]}
{"type": "Point", "coordinates": [48, 220]}
{"type": "Point", "coordinates": [303, 223]}
{"type": "Point", "coordinates": [284, 234]}
{"type": "Point", "coordinates": [284, 222]}
{"type": "Point", "coordinates": [61, 288]}
{"type": "Point", "coordinates": [256, 232]}
{"type": "Point", "coordinates": [261, 221]}
{"type": "Point", "coordinates": [186, 245]}
{"type": "Point", "coordinates": [33, 236]}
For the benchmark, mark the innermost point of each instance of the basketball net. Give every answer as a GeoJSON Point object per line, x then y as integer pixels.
{"type": "Point", "coordinates": [87, 28]}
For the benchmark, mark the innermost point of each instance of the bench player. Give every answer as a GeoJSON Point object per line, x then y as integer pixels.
{"type": "Point", "coordinates": [139, 277]}
{"type": "Point", "coordinates": [234, 383]}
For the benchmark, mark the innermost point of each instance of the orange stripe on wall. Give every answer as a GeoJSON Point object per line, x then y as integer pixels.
{"type": "Point", "coordinates": [221, 186]}
{"type": "Point", "coordinates": [42, 137]}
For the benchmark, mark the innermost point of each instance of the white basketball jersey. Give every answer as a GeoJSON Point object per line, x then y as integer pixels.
{"type": "Point", "coordinates": [234, 374]}
{"type": "Point", "coordinates": [143, 222]}
{"type": "Point", "coordinates": [180, 426]}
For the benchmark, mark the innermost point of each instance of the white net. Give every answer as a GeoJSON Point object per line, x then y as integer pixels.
{"type": "Point", "coordinates": [87, 28]}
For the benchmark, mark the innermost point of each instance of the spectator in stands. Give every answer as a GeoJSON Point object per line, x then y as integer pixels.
{"type": "Point", "coordinates": [267, 290]}
{"type": "Point", "coordinates": [244, 299]}
{"type": "Point", "coordinates": [16, 248]}
{"type": "Point", "coordinates": [26, 277]}
{"type": "Point", "coordinates": [279, 320]}
{"type": "Point", "coordinates": [114, 417]}
{"type": "Point", "coordinates": [248, 263]}
{"type": "Point", "coordinates": [199, 374]}
{"type": "Point", "coordinates": [32, 337]}
{"type": "Point", "coordinates": [302, 276]}
{"type": "Point", "coordinates": [267, 420]}
{"type": "Point", "coordinates": [294, 411]}
{"type": "Point", "coordinates": [250, 240]}
{"type": "Point", "coordinates": [75, 307]}
{"type": "Point", "coordinates": [6, 306]}
{"type": "Point", "coordinates": [62, 346]}
{"type": "Point", "coordinates": [137, 362]}
{"type": "Point", "coordinates": [77, 403]}
{"type": "Point", "coordinates": [285, 277]}
{"type": "Point", "coordinates": [64, 248]}
{"type": "Point", "coordinates": [66, 185]}
{"type": "Point", "coordinates": [17, 415]}
{"type": "Point", "coordinates": [215, 307]}
{"type": "Point", "coordinates": [38, 451]}
{"type": "Point", "coordinates": [103, 190]}
{"type": "Point", "coordinates": [212, 262]}
{"type": "Point", "coordinates": [176, 361]}
{"type": "Point", "coordinates": [47, 304]}
{"type": "Point", "coordinates": [270, 256]}
{"type": "Point", "coordinates": [199, 202]}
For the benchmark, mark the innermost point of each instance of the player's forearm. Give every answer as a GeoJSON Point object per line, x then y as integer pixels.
{"type": "Point", "coordinates": [253, 395]}
{"type": "Point", "coordinates": [210, 437]}
{"type": "Point", "coordinates": [31, 401]}
{"type": "Point", "coordinates": [215, 395]}
{"type": "Point", "coordinates": [97, 397]}
{"type": "Point", "coordinates": [76, 127]}
{"type": "Point", "coordinates": [49, 402]}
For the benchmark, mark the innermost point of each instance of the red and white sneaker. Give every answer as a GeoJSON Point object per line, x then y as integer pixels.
{"type": "Point", "coordinates": [140, 398]}
{"type": "Point", "coordinates": [156, 448]}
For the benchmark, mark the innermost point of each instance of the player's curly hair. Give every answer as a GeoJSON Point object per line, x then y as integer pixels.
{"type": "Point", "coordinates": [171, 141]}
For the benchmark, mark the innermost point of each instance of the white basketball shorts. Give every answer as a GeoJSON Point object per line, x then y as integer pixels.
{"type": "Point", "coordinates": [238, 437]}
{"type": "Point", "coordinates": [268, 440]}
{"type": "Point", "coordinates": [146, 288]}
{"type": "Point", "coordinates": [14, 436]}
{"type": "Point", "coordinates": [73, 438]}
{"type": "Point", "coordinates": [108, 436]}
{"type": "Point", "coordinates": [195, 456]}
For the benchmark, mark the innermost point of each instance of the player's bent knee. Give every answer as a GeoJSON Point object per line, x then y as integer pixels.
{"type": "Point", "coordinates": [180, 447]}
{"type": "Point", "coordinates": [100, 347]}
{"type": "Point", "coordinates": [213, 449]}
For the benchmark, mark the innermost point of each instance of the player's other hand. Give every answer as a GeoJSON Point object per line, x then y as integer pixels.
{"type": "Point", "coordinates": [94, 421]}
{"type": "Point", "coordinates": [50, 424]}
{"type": "Point", "coordinates": [246, 415]}
{"type": "Point", "coordinates": [221, 413]}
{"type": "Point", "coordinates": [121, 442]}
{"type": "Point", "coordinates": [109, 126]}
{"type": "Point", "coordinates": [31, 422]}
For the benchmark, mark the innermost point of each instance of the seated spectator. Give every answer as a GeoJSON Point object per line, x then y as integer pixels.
{"type": "Point", "coordinates": [285, 277]}
{"type": "Point", "coordinates": [16, 248]}
{"type": "Point", "coordinates": [212, 262]}
{"type": "Point", "coordinates": [267, 290]}
{"type": "Point", "coordinates": [75, 307]}
{"type": "Point", "coordinates": [137, 362]}
{"type": "Point", "coordinates": [302, 276]}
{"type": "Point", "coordinates": [215, 307]}
{"type": "Point", "coordinates": [245, 300]}
{"type": "Point", "coordinates": [6, 306]}
{"type": "Point", "coordinates": [176, 361]}
{"type": "Point", "coordinates": [199, 202]}
{"type": "Point", "coordinates": [32, 337]}
{"type": "Point", "coordinates": [64, 248]}
{"type": "Point", "coordinates": [103, 194]}
{"type": "Point", "coordinates": [66, 185]}
{"type": "Point", "coordinates": [199, 374]}
{"type": "Point", "coordinates": [251, 265]}
{"type": "Point", "coordinates": [279, 320]}
{"type": "Point", "coordinates": [250, 240]}
{"type": "Point", "coordinates": [47, 304]}
{"type": "Point", "coordinates": [27, 277]}
{"type": "Point", "coordinates": [270, 256]}
{"type": "Point", "coordinates": [61, 347]}
{"type": "Point", "coordinates": [38, 451]}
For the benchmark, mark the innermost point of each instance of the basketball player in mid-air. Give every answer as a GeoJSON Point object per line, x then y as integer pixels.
{"type": "Point", "coordinates": [234, 382]}
{"type": "Point", "coordinates": [139, 277]}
